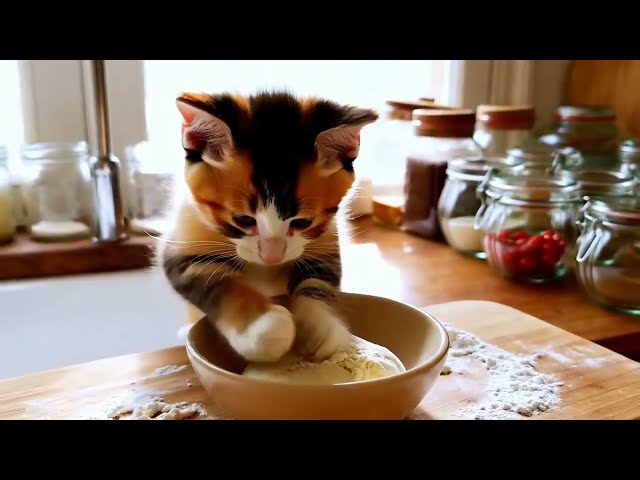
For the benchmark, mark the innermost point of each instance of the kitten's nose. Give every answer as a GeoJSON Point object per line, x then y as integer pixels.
{"type": "Point", "coordinates": [271, 249]}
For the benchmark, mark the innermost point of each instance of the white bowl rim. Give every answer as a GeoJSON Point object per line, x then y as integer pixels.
{"type": "Point", "coordinates": [439, 355]}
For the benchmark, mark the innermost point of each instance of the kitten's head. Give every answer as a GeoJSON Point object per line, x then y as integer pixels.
{"type": "Point", "coordinates": [270, 170]}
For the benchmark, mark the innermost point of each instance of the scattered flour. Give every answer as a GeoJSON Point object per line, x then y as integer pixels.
{"type": "Point", "coordinates": [157, 409]}
{"type": "Point", "coordinates": [515, 387]}
{"type": "Point", "coordinates": [167, 370]}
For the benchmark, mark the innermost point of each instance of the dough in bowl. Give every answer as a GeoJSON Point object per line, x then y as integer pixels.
{"type": "Point", "coordinates": [361, 360]}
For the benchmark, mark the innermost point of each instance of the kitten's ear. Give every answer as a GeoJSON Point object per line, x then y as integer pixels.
{"type": "Point", "coordinates": [204, 136]}
{"type": "Point", "coordinates": [338, 147]}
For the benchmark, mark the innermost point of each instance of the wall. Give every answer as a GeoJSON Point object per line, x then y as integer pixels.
{"type": "Point", "coordinates": [548, 88]}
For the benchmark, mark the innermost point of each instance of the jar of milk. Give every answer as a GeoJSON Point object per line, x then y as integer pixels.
{"type": "Point", "coordinates": [459, 202]}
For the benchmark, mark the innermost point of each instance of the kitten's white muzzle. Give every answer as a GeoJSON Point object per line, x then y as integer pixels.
{"type": "Point", "coordinates": [271, 250]}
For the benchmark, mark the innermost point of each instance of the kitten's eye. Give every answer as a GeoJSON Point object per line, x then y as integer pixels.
{"type": "Point", "coordinates": [244, 221]}
{"type": "Point", "coordinates": [301, 223]}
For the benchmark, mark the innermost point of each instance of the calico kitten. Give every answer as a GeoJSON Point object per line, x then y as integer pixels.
{"type": "Point", "coordinates": [266, 175]}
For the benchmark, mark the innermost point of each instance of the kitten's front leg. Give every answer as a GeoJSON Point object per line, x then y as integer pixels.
{"type": "Point", "coordinates": [255, 328]}
{"type": "Point", "coordinates": [320, 330]}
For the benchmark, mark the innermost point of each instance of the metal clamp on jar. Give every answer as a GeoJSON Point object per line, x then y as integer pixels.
{"type": "Point", "coordinates": [529, 225]}
{"type": "Point", "coordinates": [608, 256]}
{"type": "Point", "coordinates": [543, 159]}
{"type": "Point", "coordinates": [629, 157]}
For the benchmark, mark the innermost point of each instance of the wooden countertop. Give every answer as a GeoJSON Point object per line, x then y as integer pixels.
{"type": "Point", "coordinates": [594, 382]}
{"type": "Point", "coordinates": [381, 261]}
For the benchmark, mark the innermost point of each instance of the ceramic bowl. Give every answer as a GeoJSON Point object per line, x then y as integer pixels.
{"type": "Point", "coordinates": [418, 339]}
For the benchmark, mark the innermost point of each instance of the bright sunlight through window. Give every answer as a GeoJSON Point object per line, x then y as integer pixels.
{"type": "Point", "coordinates": [11, 121]}
{"type": "Point", "coordinates": [366, 83]}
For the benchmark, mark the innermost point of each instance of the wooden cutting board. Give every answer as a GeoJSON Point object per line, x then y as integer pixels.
{"type": "Point", "coordinates": [596, 383]}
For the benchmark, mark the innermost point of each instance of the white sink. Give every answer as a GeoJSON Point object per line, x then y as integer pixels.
{"type": "Point", "coordinates": [55, 322]}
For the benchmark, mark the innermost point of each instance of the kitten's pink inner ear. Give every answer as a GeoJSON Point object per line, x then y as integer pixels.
{"type": "Point", "coordinates": [187, 113]}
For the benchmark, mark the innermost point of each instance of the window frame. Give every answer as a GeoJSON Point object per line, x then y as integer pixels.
{"type": "Point", "coordinates": [69, 114]}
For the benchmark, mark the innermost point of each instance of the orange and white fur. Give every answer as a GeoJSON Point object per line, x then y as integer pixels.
{"type": "Point", "coordinates": [266, 176]}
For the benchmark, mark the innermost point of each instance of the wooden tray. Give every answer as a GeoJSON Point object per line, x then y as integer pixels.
{"type": "Point", "coordinates": [25, 258]}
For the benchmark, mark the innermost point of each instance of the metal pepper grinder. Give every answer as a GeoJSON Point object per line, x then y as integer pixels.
{"type": "Point", "coordinates": [105, 170]}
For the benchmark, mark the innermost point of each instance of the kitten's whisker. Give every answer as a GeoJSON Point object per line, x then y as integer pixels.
{"type": "Point", "coordinates": [234, 267]}
{"type": "Point", "coordinates": [215, 271]}
{"type": "Point", "coordinates": [302, 264]}
{"type": "Point", "coordinates": [238, 189]}
{"type": "Point", "coordinates": [318, 262]}
{"type": "Point", "coordinates": [196, 242]}
{"type": "Point", "coordinates": [332, 253]}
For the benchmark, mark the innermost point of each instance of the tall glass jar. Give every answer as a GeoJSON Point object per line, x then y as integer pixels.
{"type": "Point", "coordinates": [59, 190]}
{"type": "Point", "coordinates": [459, 202]}
{"type": "Point", "coordinates": [629, 157]}
{"type": "Point", "coordinates": [500, 127]}
{"type": "Point", "coordinates": [589, 129]}
{"type": "Point", "coordinates": [439, 136]}
{"type": "Point", "coordinates": [530, 225]}
{"type": "Point", "coordinates": [390, 139]}
{"type": "Point", "coordinates": [7, 221]}
{"type": "Point", "coordinates": [608, 254]}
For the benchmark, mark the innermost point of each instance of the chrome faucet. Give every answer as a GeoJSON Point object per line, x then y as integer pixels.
{"type": "Point", "coordinates": [105, 170]}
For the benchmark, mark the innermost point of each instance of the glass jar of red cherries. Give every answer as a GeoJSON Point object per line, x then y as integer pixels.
{"type": "Point", "coordinates": [529, 225]}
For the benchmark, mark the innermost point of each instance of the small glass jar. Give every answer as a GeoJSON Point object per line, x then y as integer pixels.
{"type": "Point", "coordinates": [602, 183]}
{"type": "Point", "coordinates": [589, 129]}
{"type": "Point", "coordinates": [59, 190]}
{"type": "Point", "coordinates": [7, 220]}
{"type": "Point", "coordinates": [459, 202]}
{"type": "Point", "coordinates": [608, 254]}
{"type": "Point", "coordinates": [529, 225]}
{"type": "Point", "coordinates": [152, 186]}
{"type": "Point", "coordinates": [544, 159]}
{"type": "Point", "coordinates": [390, 139]}
{"type": "Point", "coordinates": [439, 136]}
{"type": "Point", "coordinates": [629, 157]}
{"type": "Point", "coordinates": [501, 127]}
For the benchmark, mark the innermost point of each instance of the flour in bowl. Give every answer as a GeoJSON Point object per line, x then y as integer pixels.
{"type": "Point", "coordinates": [515, 387]}
{"type": "Point", "coordinates": [360, 360]}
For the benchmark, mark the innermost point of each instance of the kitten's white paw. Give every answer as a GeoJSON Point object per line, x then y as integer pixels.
{"type": "Point", "coordinates": [268, 337]}
{"type": "Point", "coordinates": [320, 332]}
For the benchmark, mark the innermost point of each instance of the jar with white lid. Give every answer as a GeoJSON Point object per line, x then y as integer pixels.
{"type": "Point", "coordinates": [608, 253]}
{"type": "Point", "coordinates": [459, 202]}
{"type": "Point", "coordinates": [58, 190]}
{"type": "Point", "coordinates": [7, 220]}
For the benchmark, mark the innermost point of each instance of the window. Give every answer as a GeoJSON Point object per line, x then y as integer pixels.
{"type": "Point", "coordinates": [366, 83]}
{"type": "Point", "coordinates": [11, 118]}
{"type": "Point", "coordinates": [52, 100]}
